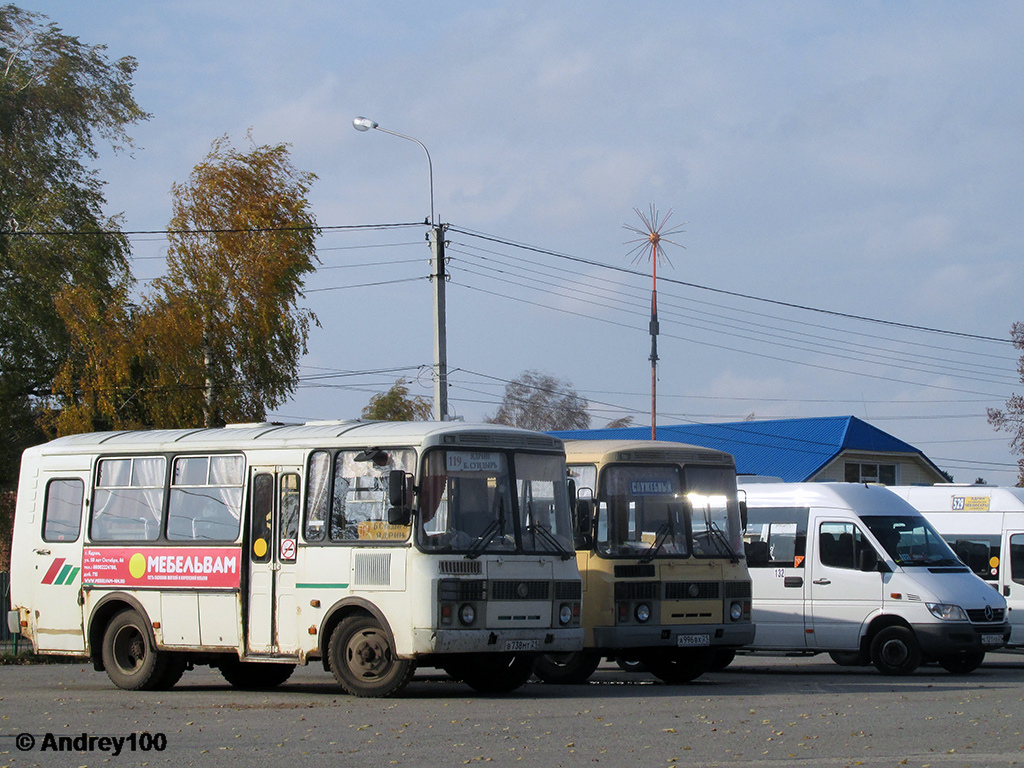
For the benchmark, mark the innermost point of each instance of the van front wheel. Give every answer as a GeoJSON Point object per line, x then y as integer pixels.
{"type": "Point", "coordinates": [895, 651]}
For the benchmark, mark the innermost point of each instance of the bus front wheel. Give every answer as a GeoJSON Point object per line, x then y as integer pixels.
{"type": "Point", "coordinates": [681, 666]}
{"type": "Point", "coordinates": [363, 660]}
{"type": "Point", "coordinates": [567, 668]}
{"type": "Point", "coordinates": [495, 672]}
{"type": "Point", "coordinates": [129, 659]}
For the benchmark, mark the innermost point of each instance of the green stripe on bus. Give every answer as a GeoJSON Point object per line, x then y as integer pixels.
{"type": "Point", "coordinates": [64, 574]}
{"type": "Point", "coordinates": [323, 586]}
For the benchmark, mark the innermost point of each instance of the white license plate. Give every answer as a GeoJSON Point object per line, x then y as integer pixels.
{"type": "Point", "coordinates": [991, 639]}
{"type": "Point", "coordinates": [688, 640]}
{"type": "Point", "coordinates": [521, 645]}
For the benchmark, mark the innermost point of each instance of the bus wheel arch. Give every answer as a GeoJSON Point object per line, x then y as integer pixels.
{"type": "Point", "coordinates": [130, 657]}
{"type": "Point", "coordinates": [343, 609]}
{"type": "Point", "coordinates": [104, 612]}
{"type": "Point", "coordinates": [362, 657]}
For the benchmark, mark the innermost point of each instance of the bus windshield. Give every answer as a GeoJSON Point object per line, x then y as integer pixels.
{"type": "Point", "coordinates": [470, 504]}
{"type": "Point", "coordinates": [714, 509]}
{"type": "Point", "coordinates": [910, 540]}
{"type": "Point", "coordinates": [641, 512]}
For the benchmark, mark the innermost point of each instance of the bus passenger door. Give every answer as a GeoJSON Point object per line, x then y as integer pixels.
{"type": "Point", "coordinates": [272, 620]}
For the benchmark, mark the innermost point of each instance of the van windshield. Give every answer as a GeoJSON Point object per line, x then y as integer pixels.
{"type": "Point", "coordinates": [910, 541]}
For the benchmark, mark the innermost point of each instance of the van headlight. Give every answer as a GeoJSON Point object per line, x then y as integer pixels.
{"type": "Point", "coordinates": [947, 612]}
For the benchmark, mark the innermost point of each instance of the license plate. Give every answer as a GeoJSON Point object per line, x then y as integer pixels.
{"type": "Point", "coordinates": [521, 645]}
{"type": "Point", "coordinates": [991, 639]}
{"type": "Point", "coordinates": [689, 640]}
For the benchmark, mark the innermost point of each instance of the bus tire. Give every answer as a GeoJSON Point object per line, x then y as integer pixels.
{"type": "Point", "coordinates": [567, 668]}
{"type": "Point", "coordinates": [130, 661]}
{"type": "Point", "coordinates": [962, 663]}
{"type": "Point", "coordinates": [895, 651]}
{"type": "Point", "coordinates": [172, 673]}
{"type": "Point", "coordinates": [722, 658]}
{"type": "Point", "coordinates": [496, 672]}
{"type": "Point", "coordinates": [254, 675]}
{"type": "Point", "coordinates": [680, 667]}
{"type": "Point", "coordinates": [363, 660]}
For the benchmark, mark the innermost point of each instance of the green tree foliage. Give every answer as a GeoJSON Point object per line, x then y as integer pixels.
{"type": "Point", "coordinates": [58, 98]}
{"type": "Point", "coordinates": [541, 402]}
{"type": "Point", "coordinates": [1011, 418]}
{"type": "Point", "coordinates": [224, 324]}
{"type": "Point", "coordinates": [398, 405]}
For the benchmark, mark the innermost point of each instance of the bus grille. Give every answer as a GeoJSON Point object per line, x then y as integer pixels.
{"type": "Point", "coordinates": [568, 590]}
{"type": "Point", "coordinates": [634, 571]}
{"type": "Point", "coordinates": [637, 590]}
{"type": "Point", "coordinates": [520, 590]}
{"type": "Point", "coordinates": [454, 590]}
{"type": "Point", "coordinates": [735, 589]}
{"type": "Point", "coordinates": [691, 590]}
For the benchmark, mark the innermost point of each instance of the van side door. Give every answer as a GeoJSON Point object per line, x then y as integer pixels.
{"type": "Point", "coordinates": [1012, 583]}
{"type": "Point", "coordinates": [775, 540]}
{"type": "Point", "coordinates": [842, 597]}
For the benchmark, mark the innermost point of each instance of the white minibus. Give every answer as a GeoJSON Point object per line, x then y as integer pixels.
{"type": "Point", "coordinates": [372, 547]}
{"type": "Point", "coordinates": [984, 525]}
{"type": "Point", "coordinates": [854, 571]}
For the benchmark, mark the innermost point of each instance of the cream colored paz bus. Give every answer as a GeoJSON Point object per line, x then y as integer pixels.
{"type": "Point", "coordinates": [372, 547]}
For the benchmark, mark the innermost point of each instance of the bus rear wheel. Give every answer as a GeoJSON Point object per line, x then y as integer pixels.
{"type": "Point", "coordinates": [680, 666]}
{"type": "Point", "coordinates": [254, 675]}
{"type": "Point", "coordinates": [131, 662]}
{"type": "Point", "coordinates": [567, 668]}
{"type": "Point", "coordinates": [363, 660]}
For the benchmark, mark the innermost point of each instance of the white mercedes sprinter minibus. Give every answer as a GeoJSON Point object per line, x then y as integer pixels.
{"type": "Point", "coordinates": [854, 571]}
{"type": "Point", "coordinates": [984, 524]}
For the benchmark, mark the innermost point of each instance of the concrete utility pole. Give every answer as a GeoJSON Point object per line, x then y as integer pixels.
{"type": "Point", "coordinates": [438, 277]}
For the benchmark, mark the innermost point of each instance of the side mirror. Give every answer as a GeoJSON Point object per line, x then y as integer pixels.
{"type": "Point", "coordinates": [584, 524]}
{"type": "Point", "coordinates": [868, 560]}
{"type": "Point", "coordinates": [399, 494]}
{"type": "Point", "coordinates": [743, 510]}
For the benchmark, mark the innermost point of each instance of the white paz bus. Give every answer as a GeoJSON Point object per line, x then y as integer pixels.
{"type": "Point", "coordinates": [373, 547]}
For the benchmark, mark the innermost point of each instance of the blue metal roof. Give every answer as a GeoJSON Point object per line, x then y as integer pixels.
{"type": "Point", "coordinates": [793, 449]}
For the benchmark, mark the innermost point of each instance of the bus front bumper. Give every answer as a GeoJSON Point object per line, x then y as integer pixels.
{"type": "Point", "coordinates": [498, 641]}
{"type": "Point", "coordinates": [674, 636]}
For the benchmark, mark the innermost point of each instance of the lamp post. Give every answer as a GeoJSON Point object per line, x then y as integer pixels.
{"type": "Point", "coordinates": [438, 277]}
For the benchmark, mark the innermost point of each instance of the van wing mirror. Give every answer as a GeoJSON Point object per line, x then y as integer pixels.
{"type": "Point", "coordinates": [868, 559]}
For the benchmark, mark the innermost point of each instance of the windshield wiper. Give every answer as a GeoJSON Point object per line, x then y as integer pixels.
{"type": "Point", "coordinates": [722, 539]}
{"type": "Point", "coordinates": [488, 534]}
{"type": "Point", "coordinates": [548, 536]}
{"type": "Point", "coordinates": [659, 539]}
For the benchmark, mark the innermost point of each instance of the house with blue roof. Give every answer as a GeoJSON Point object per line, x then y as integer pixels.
{"type": "Point", "coordinates": [831, 448]}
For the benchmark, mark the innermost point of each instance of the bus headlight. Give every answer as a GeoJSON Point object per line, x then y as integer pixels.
{"type": "Point", "coordinates": [564, 614]}
{"type": "Point", "coordinates": [947, 612]}
{"type": "Point", "coordinates": [467, 614]}
{"type": "Point", "coordinates": [736, 611]}
{"type": "Point", "coordinates": [642, 612]}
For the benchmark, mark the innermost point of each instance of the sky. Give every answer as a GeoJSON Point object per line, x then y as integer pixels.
{"type": "Point", "coordinates": [845, 179]}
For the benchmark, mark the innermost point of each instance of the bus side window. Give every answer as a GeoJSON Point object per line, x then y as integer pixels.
{"type": "Point", "coordinates": [62, 516]}
{"type": "Point", "coordinates": [318, 486]}
{"type": "Point", "coordinates": [129, 499]}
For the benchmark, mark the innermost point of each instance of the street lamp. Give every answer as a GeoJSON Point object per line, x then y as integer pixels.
{"type": "Point", "coordinates": [438, 277]}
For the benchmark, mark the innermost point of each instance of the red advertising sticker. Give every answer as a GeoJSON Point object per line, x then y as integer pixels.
{"type": "Point", "coordinates": [215, 567]}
